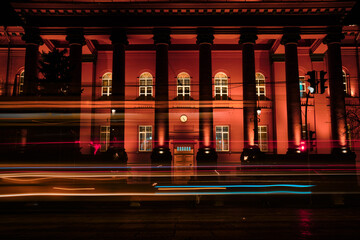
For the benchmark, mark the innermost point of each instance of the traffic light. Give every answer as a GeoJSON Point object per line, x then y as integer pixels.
{"type": "Point", "coordinates": [312, 81]}
{"type": "Point", "coordinates": [322, 81]}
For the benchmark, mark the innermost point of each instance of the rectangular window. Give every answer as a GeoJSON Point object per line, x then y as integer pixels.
{"type": "Point", "coordinates": [106, 87]}
{"type": "Point", "coordinates": [104, 138]}
{"type": "Point", "coordinates": [183, 87]}
{"type": "Point", "coordinates": [260, 89]}
{"type": "Point", "coordinates": [145, 138]}
{"type": "Point", "coordinates": [263, 138]}
{"type": "Point", "coordinates": [145, 88]}
{"type": "Point", "coordinates": [302, 83]}
{"type": "Point", "coordinates": [221, 87]}
{"type": "Point", "coordinates": [222, 138]}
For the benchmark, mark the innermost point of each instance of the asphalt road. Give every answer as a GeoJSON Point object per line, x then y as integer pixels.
{"type": "Point", "coordinates": [177, 220]}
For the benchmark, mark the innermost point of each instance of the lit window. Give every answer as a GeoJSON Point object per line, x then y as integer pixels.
{"type": "Point", "coordinates": [222, 138]}
{"type": "Point", "coordinates": [221, 85]}
{"type": "Point", "coordinates": [145, 138]}
{"type": "Point", "coordinates": [104, 138]}
{"type": "Point", "coordinates": [21, 82]}
{"type": "Point", "coordinates": [260, 86]}
{"type": "Point", "coordinates": [345, 81]}
{"type": "Point", "coordinates": [183, 85]}
{"type": "Point", "coordinates": [146, 84]}
{"type": "Point", "coordinates": [302, 84]}
{"type": "Point", "coordinates": [262, 137]}
{"type": "Point", "coordinates": [106, 84]}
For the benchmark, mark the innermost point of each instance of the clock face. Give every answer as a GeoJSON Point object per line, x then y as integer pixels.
{"type": "Point", "coordinates": [183, 118]}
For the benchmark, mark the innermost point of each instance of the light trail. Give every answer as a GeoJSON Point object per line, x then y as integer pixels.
{"type": "Point", "coordinates": [233, 193]}
{"type": "Point", "coordinates": [14, 195]}
{"type": "Point", "coordinates": [238, 186]}
{"type": "Point", "coordinates": [73, 189]}
{"type": "Point", "coordinates": [195, 188]}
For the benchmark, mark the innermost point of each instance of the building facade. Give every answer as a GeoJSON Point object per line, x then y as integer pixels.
{"type": "Point", "coordinates": [190, 78]}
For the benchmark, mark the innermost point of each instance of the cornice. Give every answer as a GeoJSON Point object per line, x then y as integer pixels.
{"type": "Point", "coordinates": [195, 8]}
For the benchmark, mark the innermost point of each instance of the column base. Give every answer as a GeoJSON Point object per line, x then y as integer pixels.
{"type": "Point", "coordinates": [206, 156]}
{"type": "Point", "coordinates": [250, 155]}
{"type": "Point", "coordinates": [116, 155]}
{"type": "Point", "coordinates": [161, 156]}
{"type": "Point", "coordinates": [343, 154]}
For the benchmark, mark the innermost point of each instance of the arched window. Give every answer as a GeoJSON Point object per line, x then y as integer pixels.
{"type": "Point", "coordinates": [221, 85]}
{"type": "Point", "coordinates": [260, 86]}
{"type": "Point", "coordinates": [145, 84]}
{"type": "Point", "coordinates": [21, 82]}
{"type": "Point", "coordinates": [106, 84]}
{"type": "Point", "coordinates": [345, 81]}
{"type": "Point", "coordinates": [183, 85]}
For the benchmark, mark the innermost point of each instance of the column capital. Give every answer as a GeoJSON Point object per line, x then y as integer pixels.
{"type": "Point", "coordinates": [32, 36]}
{"type": "Point", "coordinates": [119, 36]}
{"type": "Point", "coordinates": [248, 35]}
{"type": "Point", "coordinates": [205, 35]}
{"type": "Point", "coordinates": [334, 35]}
{"type": "Point", "coordinates": [291, 35]}
{"type": "Point", "coordinates": [162, 36]}
{"type": "Point", "coordinates": [75, 36]}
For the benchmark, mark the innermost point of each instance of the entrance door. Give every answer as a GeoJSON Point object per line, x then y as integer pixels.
{"type": "Point", "coordinates": [183, 164]}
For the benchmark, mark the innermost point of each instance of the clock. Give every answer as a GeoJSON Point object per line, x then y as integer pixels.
{"type": "Point", "coordinates": [183, 118]}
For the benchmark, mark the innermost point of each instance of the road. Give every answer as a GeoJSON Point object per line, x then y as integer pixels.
{"type": "Point", "coordinates": [140, 202]}
{"type": "Point", "coordinates": [176, 220]}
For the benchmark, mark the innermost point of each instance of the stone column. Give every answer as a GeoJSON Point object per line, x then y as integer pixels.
{"type": "Point", "coordinates": [206, 151]}
{"type": "Point", "coordinates": [247, 39]}
{"type": "Point", "coordinates": [33, 40]}
{"type": "Point", "coordinates": [161, 152]}
{"type": "Point", "coordinates": [76, 40]}
{"type": "Point", "coordinates": [119, 41]}
{"type": "Point", "coordinates": [293, 102]}
{"type": "Point", "coordinates": [336, 87]}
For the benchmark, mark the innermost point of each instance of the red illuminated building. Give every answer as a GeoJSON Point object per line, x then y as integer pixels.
{"type": "Point", "coordinates": [186, 79]}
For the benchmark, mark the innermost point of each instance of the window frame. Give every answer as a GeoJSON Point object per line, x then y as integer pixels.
{"type": "Point", "coordinates": [263, 142]}
{"type": "Point", "coordinates": [262, 86]}
{"type": "Point", "coordinates": [222, 142]}
{"type": "Point", "coordinates": [183, 87]}
{"type": "Point", "coordinates": [20, 86]}
{"type": "Point", "coordinates": [105, 77]}
{"type": "Point", "coordinates": [145, 141]}
{"type": "Point", "coordinates": [221, 86]}
{"type": "Point", "coordinates": [146, 86]}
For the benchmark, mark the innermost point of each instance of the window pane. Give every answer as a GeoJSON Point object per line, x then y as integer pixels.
{"type": "Point", "coordinates": [148, 129]}
{"type": "Point", "coordinates": [148, 136]}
